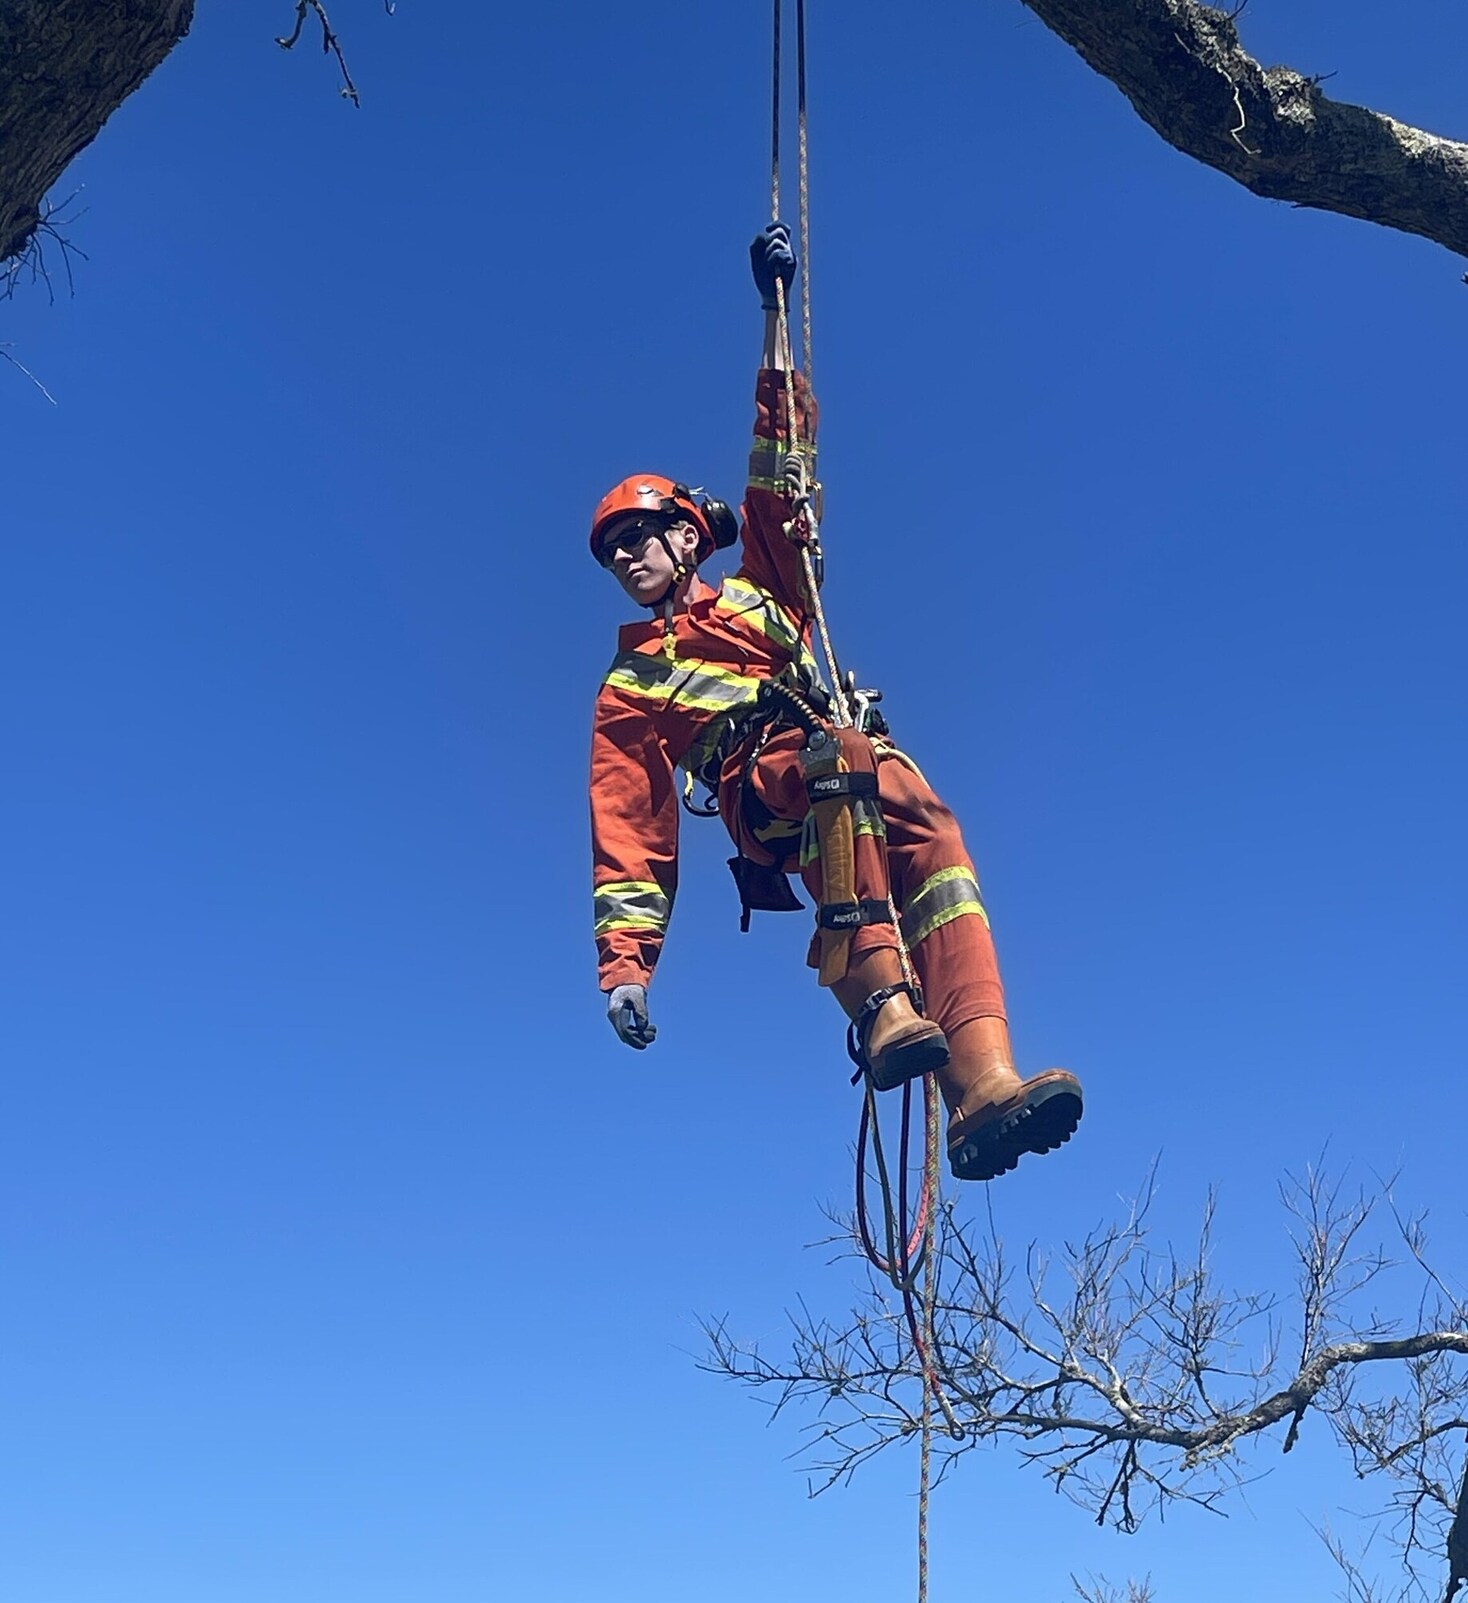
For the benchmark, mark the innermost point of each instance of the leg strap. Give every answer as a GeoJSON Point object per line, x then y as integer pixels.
{"type": "Point", "coordinates": [826, 787]}
{"type": "Point", "coordinates": [848, 915]}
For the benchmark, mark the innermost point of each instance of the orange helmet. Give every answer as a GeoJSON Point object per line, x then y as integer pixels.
{"type": "Point", "coordinates": [649, 492]}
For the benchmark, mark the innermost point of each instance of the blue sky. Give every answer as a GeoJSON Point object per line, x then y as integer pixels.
{"type": "Point", "coordinates": [347, 1255]}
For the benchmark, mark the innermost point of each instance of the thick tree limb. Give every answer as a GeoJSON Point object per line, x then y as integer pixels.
{"type": "Point", "coordinates": [1270, 128]}
{"type": "Point", "coordinates": [65, 67]}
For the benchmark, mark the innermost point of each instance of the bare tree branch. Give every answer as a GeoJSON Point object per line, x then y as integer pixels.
{"type": "Point", "coordinates": [65, 67]}
{"type": "Point", "coordinates": [1183, 69]}
{"type": "Point", "coordinates": [1097, 1589]}
{"type": "Point", "coordinates": [330, 44]}
{"type": "Point", "coordinates": [1131, 1378]}
{"type": "Point", "coordinates": [31, 261]}
{"type": "Point", "coordinates": [1458, 1542]}
{"type": "Point", "coordinates": [5, 352]}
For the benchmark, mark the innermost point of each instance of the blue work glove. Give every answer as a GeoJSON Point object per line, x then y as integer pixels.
{"type": "Point", "coordinates": [627, 1009]}
{"type": "Point", "coordinates": [772, 256]}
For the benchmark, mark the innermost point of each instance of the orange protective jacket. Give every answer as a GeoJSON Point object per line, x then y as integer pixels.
{"type": "Point", "coordinates": [658, 710]}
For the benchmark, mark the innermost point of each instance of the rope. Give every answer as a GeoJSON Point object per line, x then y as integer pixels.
{"type": "Point", "coordinates": [775, 123]}
{"type": "Point", "coordinates": [804, 190]}
{"type": "Point", "coordinates": [810, 544]}
{"type": "Point", "coordinates": [909, 1247]}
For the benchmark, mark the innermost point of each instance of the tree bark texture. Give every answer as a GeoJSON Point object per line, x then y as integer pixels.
{"type": "Point", "coordinates": [65, 67]}
{"type": "Point", "coordinates": [1181, 66]}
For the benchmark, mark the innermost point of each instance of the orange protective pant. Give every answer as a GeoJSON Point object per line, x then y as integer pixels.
{"type": "Point", "coordinates": [922, 858]}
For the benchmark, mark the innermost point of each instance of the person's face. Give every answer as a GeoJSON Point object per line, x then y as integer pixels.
{"type": "Point", "coordinates": [639, 561]}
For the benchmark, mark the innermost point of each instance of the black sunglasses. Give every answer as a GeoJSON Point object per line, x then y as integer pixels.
{"type": "Point", "coordinates": [630, 537]}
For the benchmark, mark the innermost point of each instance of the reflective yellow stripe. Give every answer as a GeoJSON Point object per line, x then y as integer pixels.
{"type": "Point", "coordinates": [681, 682]}
{"type": "Point", "coordinates": [867, 818]}
{"type": "Point", "coordinates": [630, 904]}
{"type": "Point", "coordinates": [758, 607]}
{"type": "Point", "coordinates": [951, 893]}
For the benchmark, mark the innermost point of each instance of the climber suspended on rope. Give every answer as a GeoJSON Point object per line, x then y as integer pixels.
{"type": "Point", "coordinates": [723, 684]}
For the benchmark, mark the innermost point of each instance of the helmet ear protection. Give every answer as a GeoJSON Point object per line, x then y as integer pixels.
{"type": "Point", "coordinates": [723, 525]}
{"type": "Point", "coordinates": [715, 515]}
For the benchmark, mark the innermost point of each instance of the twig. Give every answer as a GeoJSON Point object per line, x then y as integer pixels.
{"type": "Point", "coordinates": [5, 352]}
{"type": "Point", "coordinates": [329, 43]}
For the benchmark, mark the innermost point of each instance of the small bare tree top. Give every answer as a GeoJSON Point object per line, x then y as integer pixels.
{"type": "Point", "coordinates": [1131, 1378]}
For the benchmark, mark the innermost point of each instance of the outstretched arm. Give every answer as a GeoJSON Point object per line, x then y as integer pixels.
{"type": "Point", "coordinates": [771, 559]}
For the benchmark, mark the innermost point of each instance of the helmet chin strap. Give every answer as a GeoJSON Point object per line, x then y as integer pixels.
{"type": "Point", "coordinates": [664, 602]}
{"type": "Point", "coordinates": [681, 570]}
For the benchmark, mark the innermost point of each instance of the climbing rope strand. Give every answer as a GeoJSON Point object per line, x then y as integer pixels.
{"type": "Point", "coordinates": [892, 1264]}
{"type": "Point", "coordinates": [805, 323]}
{"type": "Point", "coordinates": [775, 120]}
{"type": "Point", "coordinates": [900, 1250]}
{"type": "Point", "coordinates": [925, 1486]}
{"type": "Point", "coordinates": [839, 705]}
{"type": "Point", "coordinates": [910, 1250]}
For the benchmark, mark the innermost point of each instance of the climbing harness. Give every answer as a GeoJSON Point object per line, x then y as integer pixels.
{"type": "Point", "coordinates": [909, 1260]}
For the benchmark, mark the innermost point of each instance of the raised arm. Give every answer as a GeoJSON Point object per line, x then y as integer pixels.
{"type": "Point", "coordinates": [771, 559]}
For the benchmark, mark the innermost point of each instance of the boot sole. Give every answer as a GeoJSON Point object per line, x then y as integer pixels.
{"type": "Point", "coordinates": [1047, 1119]}
{"type": "Point", "coordinates": [910, 1062]}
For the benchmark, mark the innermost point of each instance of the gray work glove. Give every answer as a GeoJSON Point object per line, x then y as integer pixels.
{"type": "Point", "coordinates": [627, 1009]}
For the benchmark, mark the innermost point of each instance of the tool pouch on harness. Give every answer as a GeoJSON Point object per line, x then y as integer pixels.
{"type": "Point", "coordinates": [763, 888]}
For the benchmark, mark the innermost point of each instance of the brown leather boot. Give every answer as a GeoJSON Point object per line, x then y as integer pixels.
{"type": "Point", "coordinates": [888, 1038]}
{"type": "Point", "coordinates": [995, 1117]}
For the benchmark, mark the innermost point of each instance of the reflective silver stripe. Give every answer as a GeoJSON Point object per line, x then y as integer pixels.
{"type": "Point", "coordinates": [681, 682]}
{"type": "Point", "coordinates": [764, 465]}
{"type": "Point", "coordinates": [951, 893]}
{"type": "Point", "coordinates": [631, 904]}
